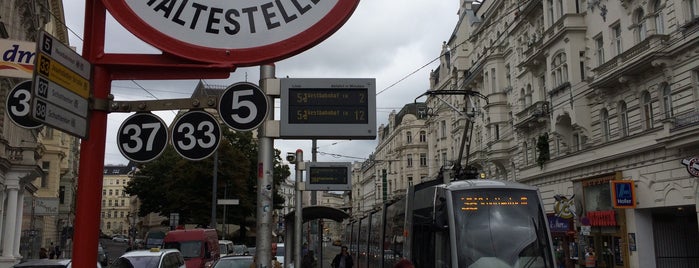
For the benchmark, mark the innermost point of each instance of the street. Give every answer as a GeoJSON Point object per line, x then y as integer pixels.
{"type": "Point", "coordinates": [113, 249]}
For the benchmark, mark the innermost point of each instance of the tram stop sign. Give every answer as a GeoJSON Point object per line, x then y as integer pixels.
{"type": "Point", "coordinates": [241, 33]}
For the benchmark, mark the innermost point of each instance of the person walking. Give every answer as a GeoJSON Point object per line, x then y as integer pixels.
{"type": "Point", "coordinates": [308, 260]}
{"type": "Point", "coordinates": [343, 259]}
{"type": "Point", "coordinates": [590, 258]}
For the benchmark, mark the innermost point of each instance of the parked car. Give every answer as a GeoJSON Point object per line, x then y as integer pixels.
{"type": "Point", "coordinates": [234, 262]}
{"type": "Point", "coordinates": [48, 263]}
{"type": "Point", "coordinates": [150, 258]}
{"type": "Point", "coordinates": [198, 246]}
{"type": "Point", "coordinates": [102, 256]}
{"type": "Point", "coordinates": [278, 250]}
{"type": "Point", "coordinates": [240, 250]}
{"type": "Point", "coordinates": [225, 247]}
{"type": "Point", "coordinates": [120, 238]}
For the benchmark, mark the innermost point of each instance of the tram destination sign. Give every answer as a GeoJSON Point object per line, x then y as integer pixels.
{"type": "Point", "coordinates": [328, 176]}
{"type": "Point", "coordinates": [61, 87]}
{"type": "Point", "coordinates": [326, 108]}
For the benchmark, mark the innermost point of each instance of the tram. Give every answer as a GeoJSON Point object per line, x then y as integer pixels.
{"type": "Point", "coordinates": [465, 223]}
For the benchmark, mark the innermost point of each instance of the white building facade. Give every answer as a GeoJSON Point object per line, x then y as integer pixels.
{"type": "Point", "coordinates": [594, 101]}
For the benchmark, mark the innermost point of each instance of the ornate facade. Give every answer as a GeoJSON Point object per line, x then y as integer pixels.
{"type": "Point", "coordinates": [38, 166]}
{"type": "Point", "coordinates": [581, 98]}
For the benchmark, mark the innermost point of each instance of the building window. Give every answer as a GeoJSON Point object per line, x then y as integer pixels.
{"type": "Point", "coordinates": [525, 154]}
{"type": "Point", "coordinates": [443, 126]}
{"type": "Point", "coordinates": [444, 158]}
{"type": "Point", "coordinates": [104, 203]}
{"type": "Point", "coordinates": [116, 192]}
{"type": "Point", "coordinates": [410, 160]}
{"type": "Point", "coordinates": [423, 159]}
{"type": "Point", "coordinates": [522, 99]}
{"type": "Point", "coordinates": [582, 64]}
{"type": "Point", "coordinates": [410, 180]}
{"type": "Point", "coordinates": [110, 203]}
{"type": "Point", "coordinates": [110, 192]}
{"type": "Point", "coordinates": [550, 11]}
{"type": "Point", "coordinates": [496, 128]}
{"type": "Point", "coordinates": [423, 136]}
{"type": "Point", "coordinates": [408, 137]}
{"type": "Point", "coordinates": [604, 124]}
{"type": "Point", "coordinates": [109, 225]}
{"type": "Point", "coordinates": [623, 119]}
{"type": "Point", "coordinates": [528, 96]}
{"type": "Point", "coordinates": [561, 11]}
{"type": "Point", "coordinates": [122, 202]}
{"type": "Point", "coordinates": [46, 167]}
{"type": "Point", "coordinates": [493, 84]}
{"type": "Point", "coordinates": [508, 77]}
{"type": "Point", "coordinates": [647, 110]}
{"type": "Point", "coordinates": [486, 80]}
{"type": "Point", "coordinates": [559, 69]}
{"type": "Point", "coordinates": [121, 214]}
{"type": "Point", "coordinates": [104, 192]}
{"type": "Point", "coordinates": [599, 49]}
{"type": "Point", "coordinates": [616, 33]}
{"type": "Point", "coordinates": [576, 142]}
{"type": "Point", "coordinates": [659, 19]}
{"type": "Point", "coordinates": [692, 9]}
{"type": "Point", "coordinates": [61, 195]}
{"type": "Point", "coordinates": [640, 27]}
{"type": "Point", "coordinates": [667, 100]}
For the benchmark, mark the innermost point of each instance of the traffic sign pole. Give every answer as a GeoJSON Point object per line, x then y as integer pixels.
{"type": "Point", "coordinates": [265, 182]}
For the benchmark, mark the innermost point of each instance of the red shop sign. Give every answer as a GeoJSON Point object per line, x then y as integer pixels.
{"type": "Point", "coordinates": [602, 218]}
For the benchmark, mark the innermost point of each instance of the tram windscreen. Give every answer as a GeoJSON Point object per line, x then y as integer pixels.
{"type": "Point", "coordinates": [500, 228]}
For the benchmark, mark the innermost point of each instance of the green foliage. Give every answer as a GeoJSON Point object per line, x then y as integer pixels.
{"type": "Point", "coordinates": [171, 184]}
{"type": "Point", "coordinates": [542, 146]}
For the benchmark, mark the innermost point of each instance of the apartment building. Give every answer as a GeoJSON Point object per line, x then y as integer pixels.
{"type": "Point", "coordinates": [594, 102]}
{"type": "Point", "coordinates": [119, 212]}
{"type": "Point", "coordinates": [37, 178]}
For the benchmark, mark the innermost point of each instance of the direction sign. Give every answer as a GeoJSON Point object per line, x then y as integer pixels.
{"type": "Point", "coordinates": [227, 201]}
{"type": "Point", "coordinates": [196, 135]}
{"type": "Point", "coordinates": [59, 118]}
{"type": "Point", "coordinates": [328, 108]}
{"type": "Point", "coordinates": [61, 86]}
{"type": "Point", "coordinates": [142, 137]}
{"type": "Point", "coordinates": [241, 33]}
{"type": "Point", "coordinates": [243, 106]}
{"type": "Point", "coordinates": [64, 98]}
{"type": "Point", "coordinates": [18, 105]}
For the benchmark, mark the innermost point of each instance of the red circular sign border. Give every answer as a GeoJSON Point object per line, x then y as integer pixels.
{"type": "Point", "coordinates": [308, 38]}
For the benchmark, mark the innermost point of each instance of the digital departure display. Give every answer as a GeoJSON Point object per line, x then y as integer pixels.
{"type": "Point", "coordinates": [328, 175]}
{"type": "Point", "coordinates": [474, 202]}
{"type": "Point", "coordinates": [328, 106]}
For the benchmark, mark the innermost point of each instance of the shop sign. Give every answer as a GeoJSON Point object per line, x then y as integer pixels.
{"type": "Point", "coordinates": [692, 165]}
{"type": "Point", "coordinates": [558, 224]}
{"type": "Point", "coordinates": [623, 194]}
{"type": "Point", "coordinates": [564, 207]}
{"type": "Point", "coordinates": [17, 58]}
{"type": "Point", "coordinates": [602, 218]}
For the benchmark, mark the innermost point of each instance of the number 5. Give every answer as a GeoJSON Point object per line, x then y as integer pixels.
{"type": "Point", "coordinates": [244, 103]}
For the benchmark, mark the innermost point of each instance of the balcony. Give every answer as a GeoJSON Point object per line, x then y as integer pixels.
{"type": "Point", "coordinates": [533, 116]}
{"type": "Point", "coordinates": [634, 61]}
{"type": "Point", "coordinates": [685, 120]}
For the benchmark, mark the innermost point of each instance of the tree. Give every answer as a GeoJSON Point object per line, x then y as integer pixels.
{"type": "Point", "coordinates": [173, 184]}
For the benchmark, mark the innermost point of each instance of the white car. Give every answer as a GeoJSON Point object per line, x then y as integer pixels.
{"type": "Point", "coordinates": [48, 263]}
{"type": "Point", "coordinates": [120, 238]}
{"type": "Point", "coordinates": [225, 247]}
{"type": "Point", "coordinates": [151, 258]}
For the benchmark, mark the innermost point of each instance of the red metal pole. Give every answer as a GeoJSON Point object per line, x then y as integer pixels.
{"type": "Point", "coordinates": [89, 193]}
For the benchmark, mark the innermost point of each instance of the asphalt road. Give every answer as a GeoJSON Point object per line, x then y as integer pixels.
{"type": "Point", "coordinates": [114, 249]}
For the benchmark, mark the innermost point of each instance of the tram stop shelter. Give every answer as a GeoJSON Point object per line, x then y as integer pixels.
{"type": "Point", "coordinates": [308, 214]}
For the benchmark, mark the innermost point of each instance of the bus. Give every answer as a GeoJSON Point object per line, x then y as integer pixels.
{"type": "Point", "coordinates": [466, 223]}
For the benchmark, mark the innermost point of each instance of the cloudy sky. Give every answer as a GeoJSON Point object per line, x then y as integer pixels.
{"type": "Point", "coordinates": [395, 42]}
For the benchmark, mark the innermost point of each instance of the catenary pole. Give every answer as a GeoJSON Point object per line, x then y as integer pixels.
{"type": "Point", "coordinates": [298, 213]}
{"type": "Point", "coordinates": [214, 190]}
{"type": "Point", "coordinates": [265, 182]}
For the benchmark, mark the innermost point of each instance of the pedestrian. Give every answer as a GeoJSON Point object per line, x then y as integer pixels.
{"type": "Point", "coordinates": [43, 253]}
{"type": "Point", "coordinates": [308, 260]}
{"type": "Point", "coordinates": [343, 259]}
{"type": "Point", "coordinates": [404, 263]}
{"type": "Point", "coordinates": [52, 252]}
{"type": "Point", "coordinates": [57, 249]}
{"type": "Point", "coordinates": [590, 258]}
